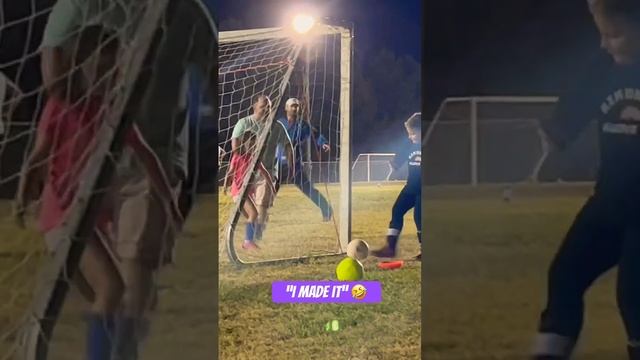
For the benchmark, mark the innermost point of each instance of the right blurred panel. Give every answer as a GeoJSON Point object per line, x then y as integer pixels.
{"type": "Point", "coordinates": [530, 182]}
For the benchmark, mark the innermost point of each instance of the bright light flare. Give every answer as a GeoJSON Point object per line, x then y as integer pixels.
{"type": "Point", "coordinates": [302, 23]}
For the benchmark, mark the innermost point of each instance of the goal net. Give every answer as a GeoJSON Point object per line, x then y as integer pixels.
{"type": "Point", "coordinates": [307, 218]}
{"type": "Point", "coordinates": [375, 167]}
{"type": "Point", "coordinates": [498, 140]}
{"type": "Point", "coordinates": [42, 313]}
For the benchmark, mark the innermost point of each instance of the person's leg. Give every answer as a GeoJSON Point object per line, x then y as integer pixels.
{"type": "Point", "coordinates": [101, 274]}
{"type": "Point", "coordinates": [628, 290]}
{"type": "Point", "coordinates": [84, 288]}
{"type": "Point", "coordinates": [129, 215]}
{"type": "Point", "coordinates": [306, 186]}
{"type": "Point", "coordinates": [236, 198]}
{"type": "Point", "coordinates": [52, 240]}
{"type": "Point", "coordinates": [144, 238]}
{"type": "Point", "coordinates": [139, 280]}
{"type": "Point", "coordinates": [251, 213]}
{"type": "Point", "coordinates": [417, 218]}
{"type": "Point", "coordinates": [404, 202]}
{"type": "Point", "coordinates": [263, 201]}
{"type": "Point", "coordinates": [590, 248]}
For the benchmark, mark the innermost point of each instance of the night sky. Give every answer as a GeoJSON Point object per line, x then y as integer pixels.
{"type": "Point", "coordinates": [479, 47]}
{"type": "Point", "coordinates": [387, 58]}
{"type": "Point", "coordinates": [471, 47]}
{"type": "Point", "coordinates": [504, 47]}
{"type": "Point", "coordinates": [388, 24]}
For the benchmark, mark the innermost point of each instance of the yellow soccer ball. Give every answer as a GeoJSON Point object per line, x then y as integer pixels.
{"type": "Point", "coordinates": [349, 269]}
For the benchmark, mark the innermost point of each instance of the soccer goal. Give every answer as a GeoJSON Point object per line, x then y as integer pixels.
{"type": "Point", "coordinates": [373, 167]}
{"type": "Point", "coordinates": [487, 140]}
{"type": "Point", "coordinates": [316, 69]}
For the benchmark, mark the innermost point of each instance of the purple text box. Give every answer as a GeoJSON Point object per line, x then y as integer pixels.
{"type": "Point", "coordinates": [283, 292]}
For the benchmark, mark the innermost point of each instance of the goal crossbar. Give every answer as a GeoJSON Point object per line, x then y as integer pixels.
{"type": "Point", "coordinates": [278, 33]}
{"type": "Point", "coordinates": [499, 99]}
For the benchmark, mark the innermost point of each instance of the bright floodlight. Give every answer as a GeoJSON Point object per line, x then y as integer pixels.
{"type": "Point", "coordinates": [302, 23]}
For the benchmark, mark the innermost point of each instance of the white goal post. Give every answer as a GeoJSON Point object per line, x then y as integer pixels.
{"type": "Point", "coordinates": [245, 58]}
{"type": "Point", "coordinates": [373, 167]}
{"type": "Point", "coordinates": [498, 137]}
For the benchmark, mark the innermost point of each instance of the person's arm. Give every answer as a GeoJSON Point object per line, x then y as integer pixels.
{"type": "Point", "coordinates": [235, 144]}
{"type": "Point", "coordinates": [321, 141]}
{"type": "Point", "coordinates": [397, 162]}
{"type": "Point", "coordinates": [577, 107]}
{"type": "Point", "coordinates": [228, 177]}
{"type": "Point", "coordinates": [400, 158]}
{"type": "Point", "coordinates": [64, 19]}
{"type": "Point", "coordinates": [236, 136]}
{"type": "Point", "coordinates": [33, 170]}
{"type": "Point", "coordinates": [53, 68]}
{"type": "Point", "coordinates": [155, 171]}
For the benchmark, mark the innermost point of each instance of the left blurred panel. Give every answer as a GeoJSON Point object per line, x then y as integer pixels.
{"type": "Point", "coordinates": [107, 165]}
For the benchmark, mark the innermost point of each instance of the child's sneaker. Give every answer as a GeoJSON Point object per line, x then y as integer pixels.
{"type": "Point", "coordinates": [385, 252]}
{"type": "Point", "coordinates": [249, 245]}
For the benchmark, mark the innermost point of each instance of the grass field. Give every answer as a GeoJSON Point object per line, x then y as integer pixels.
{"type": "Point", "coordinates": [486, 266]}
{"type": "Point", "coordinates": [184, 325]}
{"type": "Point", "coordinates": [486, 269]}
{"type": "Point", "coordinates": [252, 327]}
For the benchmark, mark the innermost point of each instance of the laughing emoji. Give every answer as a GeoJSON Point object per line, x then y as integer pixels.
{"type": "Point", "coordinates": [358, 292]}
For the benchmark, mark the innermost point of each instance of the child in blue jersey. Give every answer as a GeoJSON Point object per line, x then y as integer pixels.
{"type": "Point", "coordinates": [300, 131]}
{"type": "Point", "coordinates": [411, 194]}
{"type": "Point", "coordinates": [606, 231]}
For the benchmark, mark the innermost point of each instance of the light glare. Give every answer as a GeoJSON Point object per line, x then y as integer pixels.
{"type": "Point", "coordinates": [302, 23]}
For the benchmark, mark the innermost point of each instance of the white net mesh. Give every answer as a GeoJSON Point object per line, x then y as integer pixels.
{"type": "Point", "coordinates": [57, 141]}
{"type": "Point", "coordinates": [266, 62]}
